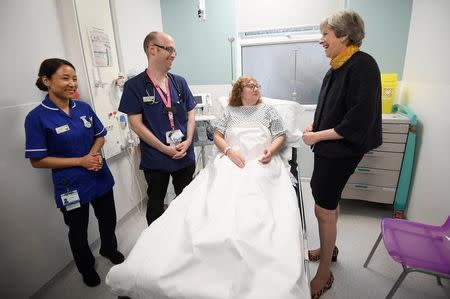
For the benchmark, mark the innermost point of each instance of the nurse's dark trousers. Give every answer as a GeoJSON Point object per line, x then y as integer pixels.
{"type": "Point", "coordinates": [77, 220]}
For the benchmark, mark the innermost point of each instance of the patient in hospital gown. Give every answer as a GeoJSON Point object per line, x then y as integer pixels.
{"type": "Point", "coordinates": [235, 231]}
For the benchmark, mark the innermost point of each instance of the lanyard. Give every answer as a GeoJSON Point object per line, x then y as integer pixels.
{"type": "Point", "coordinates": [167, 102]}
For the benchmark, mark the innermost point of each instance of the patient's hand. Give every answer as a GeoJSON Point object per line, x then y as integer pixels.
{"type": "Point", "coordinates": [236, 158]}
{"type": "Point", "coordinates": [266, 157]}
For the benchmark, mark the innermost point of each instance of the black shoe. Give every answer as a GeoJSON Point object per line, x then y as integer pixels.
{"type": "Point", "coordinates": [115, 258]}
{"type": "Point", "coordinates": [91, 278]}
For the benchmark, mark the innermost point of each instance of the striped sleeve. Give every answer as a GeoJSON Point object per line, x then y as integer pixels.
{"type": "Point", "coordinates": [35, 137]}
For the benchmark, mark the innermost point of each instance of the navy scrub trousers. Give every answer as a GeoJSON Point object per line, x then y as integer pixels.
{"type": "Point", "coordinates": [77, 220]}
{"type": "Point", "coordinates": [157, 182]}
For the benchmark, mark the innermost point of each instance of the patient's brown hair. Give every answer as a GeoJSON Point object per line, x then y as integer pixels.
{"type": "Point", "coordinates": [236, 92]}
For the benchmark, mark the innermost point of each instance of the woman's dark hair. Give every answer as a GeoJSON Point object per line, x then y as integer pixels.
{"type": "Point", "coordinates": [48, 68]}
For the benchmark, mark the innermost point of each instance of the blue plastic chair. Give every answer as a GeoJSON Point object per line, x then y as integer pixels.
{"type": "Point", "coordinates": [417, 247]}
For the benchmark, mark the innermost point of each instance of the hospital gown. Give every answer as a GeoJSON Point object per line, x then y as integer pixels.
{"type": "Point", "coordinates": [232, 233]}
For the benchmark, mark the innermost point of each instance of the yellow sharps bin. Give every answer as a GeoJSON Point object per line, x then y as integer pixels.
{"type": "Point", "coordinates": [388, 87]}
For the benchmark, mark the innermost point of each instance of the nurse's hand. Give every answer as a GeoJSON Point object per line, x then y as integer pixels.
{"type": "Point", "coordinates": [92, 162]}
{"type": "Point", "coordinates": [236, 158]}
{"type": "Point", "coordinates": [100, 160]}
{"type": "Point", "coordinates": [182, 149]}
{"type": "Point", "coordinates": [183, 146]}
{"type": "Point", "coordinates": [171, 151]}
{"type": "Point", "coordinates": [179, 155]}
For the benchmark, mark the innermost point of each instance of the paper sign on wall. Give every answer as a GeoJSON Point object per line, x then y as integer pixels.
{"type": "Point", "coordinates": [101, 47]}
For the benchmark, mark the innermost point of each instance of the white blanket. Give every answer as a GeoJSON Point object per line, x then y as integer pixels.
{"type": "Point", "coordinates": [233, 233]}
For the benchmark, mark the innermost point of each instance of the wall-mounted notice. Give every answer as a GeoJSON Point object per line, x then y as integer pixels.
{"type": "Point", "coordinates": [101, 47]}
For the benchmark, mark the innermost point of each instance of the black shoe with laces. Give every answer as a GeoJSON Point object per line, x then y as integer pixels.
{"type": "Point", "coordinates": [91, 278]}
{"type": "Point", "coordinates": [115, 257]}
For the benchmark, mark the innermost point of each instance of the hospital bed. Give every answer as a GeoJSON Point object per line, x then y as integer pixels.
{"type": "Point", "coordinates": [290, 113]}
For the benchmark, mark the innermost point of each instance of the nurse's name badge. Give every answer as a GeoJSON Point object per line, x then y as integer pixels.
{"type": "Point", "coordinates": [62, 129]}
{"type": "Point", "coordinates": [149, 100]}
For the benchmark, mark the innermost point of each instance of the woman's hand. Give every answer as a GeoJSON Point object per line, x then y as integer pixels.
{"type": "Point", "coordinates": [309, 128]}
{"type": "Point", "coordinates": [266, 157]}
{"type": "Point", "coordinates": [92, 162]}
{"type": "Point", "coordinates": [236, 158]}
{"type": "Point", "coordinates": [310, 138]}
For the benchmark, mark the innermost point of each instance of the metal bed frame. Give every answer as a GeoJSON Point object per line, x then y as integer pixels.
{"type": "Point", "coordinates": [298, 190]}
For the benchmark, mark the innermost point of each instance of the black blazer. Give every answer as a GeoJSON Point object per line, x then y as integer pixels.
{"type": "Point", "coordinates": [350, 102]}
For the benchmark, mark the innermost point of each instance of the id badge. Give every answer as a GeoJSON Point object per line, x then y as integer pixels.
{"type": "Point", "coordinates": [174, 137]}
{"type": "Point", "coordinates": [149, 100]}
{"type": "Point", "coordinates": [70, 200]}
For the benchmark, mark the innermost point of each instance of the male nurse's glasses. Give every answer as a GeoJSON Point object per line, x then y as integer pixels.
{"type": "Point", "coordinates": [170, 50]}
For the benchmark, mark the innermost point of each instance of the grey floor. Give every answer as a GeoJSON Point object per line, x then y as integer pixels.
{"type": "Point", "coordinates": [358, 229]}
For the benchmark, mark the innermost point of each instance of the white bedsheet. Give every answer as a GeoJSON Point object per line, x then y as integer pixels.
{"type": "Point", "coordinates": [233, 233]}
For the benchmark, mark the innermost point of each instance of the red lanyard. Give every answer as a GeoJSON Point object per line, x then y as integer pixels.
{"type": "Point", "coordinates": [167, 102]}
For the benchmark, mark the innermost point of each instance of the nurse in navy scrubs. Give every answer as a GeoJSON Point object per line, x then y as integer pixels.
{"type": "Point", "coordinates": [66, 136]}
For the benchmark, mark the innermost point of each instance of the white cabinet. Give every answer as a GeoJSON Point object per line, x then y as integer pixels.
{"type": "Point", "coordinates": [376, 177]}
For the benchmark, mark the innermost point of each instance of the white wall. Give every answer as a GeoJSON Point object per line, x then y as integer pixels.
{"type": "Point", "coordinates": [17, 38]}
{"type": "Point", "coordinates": [426, 90]}
{"type": "Point", "coordinates": [29, 221]}
{"type": "Point", "coordinates": [259, 14]}
{"type": "Point", "coordinates": [134, 20]}
{"type": "Point", "coordinates": [34, 245]}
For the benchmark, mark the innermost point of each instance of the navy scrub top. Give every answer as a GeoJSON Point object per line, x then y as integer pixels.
{"type": "Point", "coordinates": [50, 132]}
{"type": "Point", "coordinates": [155, 118]}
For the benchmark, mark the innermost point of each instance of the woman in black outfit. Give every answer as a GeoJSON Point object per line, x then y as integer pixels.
{"type": "Point", "coordinates": [347, 124]}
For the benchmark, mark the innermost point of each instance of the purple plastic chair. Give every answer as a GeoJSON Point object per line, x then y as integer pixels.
{"type": "Point", "coordinates": [418, 247]}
